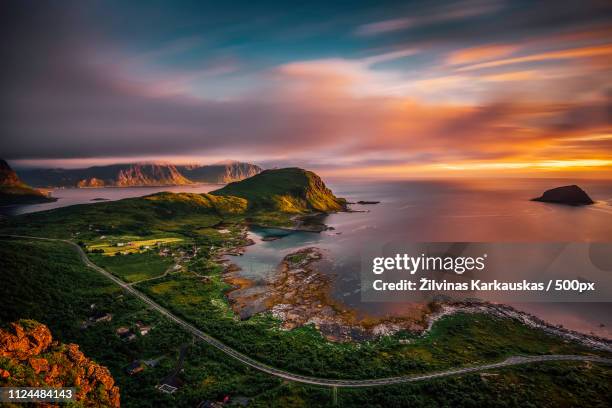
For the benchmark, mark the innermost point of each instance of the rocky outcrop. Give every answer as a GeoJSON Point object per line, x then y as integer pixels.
{"type": "Point", "coordinates": [150, 175]}
{"type": "Point", "coordinates": [8, 177]}
{"type": "Point", "coordinates": [299, 295]}
{"type": "Point", "coordinates": [30, 358]}
{"type": "Point", "coordinates": [220, 173]}
{"type": "Point", "coordinates": [91, 182]}
{"type": "Point", "coordinates": [570, 195]}
{"type": "Point", "coordinates": [15, 191]}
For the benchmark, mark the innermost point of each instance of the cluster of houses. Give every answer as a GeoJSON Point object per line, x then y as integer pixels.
{"type": "Point", "coordinates": [131, 244]}
{"type": "Point", "coordinates": [128, 334]}
{"type": "Point", "coordinates": [137, 366]}
{"type": "Point", "coordinates": [183, 253]}
{"type": "Point", "coordinates": [97, 317]}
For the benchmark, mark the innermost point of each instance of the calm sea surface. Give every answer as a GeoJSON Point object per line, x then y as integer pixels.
{"type": "Point", "coordinates": [421, 211]}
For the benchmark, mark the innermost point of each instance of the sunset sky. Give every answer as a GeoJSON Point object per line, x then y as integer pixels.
{"type": "Point", "coordinates": [383, 89]}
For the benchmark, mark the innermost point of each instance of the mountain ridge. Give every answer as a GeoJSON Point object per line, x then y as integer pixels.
{"type": "Point", "coordinates": [139, 174]}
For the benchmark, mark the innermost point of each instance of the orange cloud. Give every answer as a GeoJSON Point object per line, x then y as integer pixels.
{"type": "Point", "coordinates": [474, 54]}
{"type": "Point", "coordinates": [511, 76]}
{"type": "Point", "coordinates": [581, 52]}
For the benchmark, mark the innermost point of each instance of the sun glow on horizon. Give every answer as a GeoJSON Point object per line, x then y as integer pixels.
{"type": "Point", "coordinates": [595, 168]}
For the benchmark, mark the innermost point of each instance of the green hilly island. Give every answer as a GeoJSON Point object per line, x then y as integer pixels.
{"type": "Point", "coordinates": [290, 190]}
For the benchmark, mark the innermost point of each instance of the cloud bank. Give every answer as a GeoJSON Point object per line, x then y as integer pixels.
{"type": "Point", "coordinates": [71, 91]}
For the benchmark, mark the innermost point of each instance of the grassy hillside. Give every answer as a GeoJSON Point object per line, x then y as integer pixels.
{"type": "Point", "coordinates": [151, 215]}
{"type": "Point", "coordinates": [21, 195]}
{"type": "Point", "coordinates": [290, 190]}
{"type": "Point", "coordinates": [268, 198]}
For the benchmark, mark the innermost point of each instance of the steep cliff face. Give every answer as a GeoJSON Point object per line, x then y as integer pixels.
{"type": "Point", "coordinates": [150, 175]}
{"type": "Point", "coordinates": [116, 175]}
{"type": "Point", "coordinates": [8, 177]}
{"type": "Point", "coordinates": [220, 173]}
{"type": "Point", "coordinates": [127, 175]}
{"type": "Point", "coordinates": [30, 358]}
{"type": "Point", "coordinates": [140, 174]}
{"type": "Point", "coordinates": [91, 182]}
{"type": "Point", "coordinates": [14, 191]}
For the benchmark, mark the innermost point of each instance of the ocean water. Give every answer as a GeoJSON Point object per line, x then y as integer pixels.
{"type": "Point", "coordinates": [420, 211]}
{"type": "Point", "coordinates": [436, 211]}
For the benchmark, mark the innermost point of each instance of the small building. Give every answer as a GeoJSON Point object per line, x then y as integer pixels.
{"type": "Point", "coordinates": [167, 388]}
{"type": "Point", "coordinates": [135, 367]}
{"type": "Point", "coordinates": [143, 329]}
{"type": "Point", "coordinates": [122, 331]}
{"type": "Point", "coordinates": [152, 362]}
{"type": "Point", "coordinates": [101, 317]}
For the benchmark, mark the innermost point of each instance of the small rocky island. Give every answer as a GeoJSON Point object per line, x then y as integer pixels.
{"type": "Point", "coordinates": [569, 195]}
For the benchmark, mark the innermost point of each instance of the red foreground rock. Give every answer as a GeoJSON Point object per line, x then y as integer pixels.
{"type": "Point", "coordinates": [33, 359]}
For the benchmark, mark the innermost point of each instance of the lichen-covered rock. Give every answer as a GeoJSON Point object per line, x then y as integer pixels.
{"type": "Point", "coordinates": [30, 358]}
{"type": "Point", "coordinates": [24, 339]}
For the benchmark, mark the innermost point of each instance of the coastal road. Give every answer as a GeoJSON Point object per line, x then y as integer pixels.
{"type": "Point", "coordinates": [511, 361]}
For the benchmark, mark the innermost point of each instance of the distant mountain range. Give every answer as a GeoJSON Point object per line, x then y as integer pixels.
{"type": "Point", "coordinates": [15, 191]}
{"type": "Point", "coordinates": [140, 174]}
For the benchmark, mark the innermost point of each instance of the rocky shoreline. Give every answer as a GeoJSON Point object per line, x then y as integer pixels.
{"type": "Point", "coordinates": [299, 295]}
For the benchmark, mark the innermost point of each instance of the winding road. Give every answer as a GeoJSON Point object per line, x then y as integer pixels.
{"type": "Point", "coordinates": [511, 361]}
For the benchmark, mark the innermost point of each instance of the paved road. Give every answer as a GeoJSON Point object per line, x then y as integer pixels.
{"type": "Point", "coordinates": [512, 361]}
